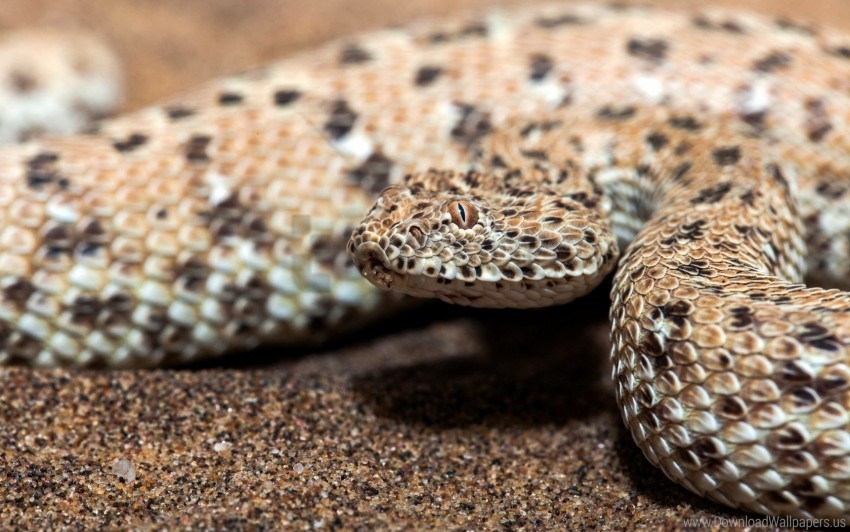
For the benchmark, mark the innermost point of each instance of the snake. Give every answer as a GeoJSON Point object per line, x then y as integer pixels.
{"type": "Point", "coordinates": [498, 159]}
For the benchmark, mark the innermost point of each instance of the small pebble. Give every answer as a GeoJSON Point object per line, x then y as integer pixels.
{"type": "Point", "coordinates": [124, 469]}
{"type": "Point", "coordinates": [222, 446]}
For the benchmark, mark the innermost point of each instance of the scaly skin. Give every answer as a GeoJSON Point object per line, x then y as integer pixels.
{"type": "Point", "coordinates": [730, 377]}
{"type": "Point", "coordinates": [219, 221]}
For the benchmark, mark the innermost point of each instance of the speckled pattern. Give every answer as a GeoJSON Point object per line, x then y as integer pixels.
{"type": "Point", "coordinates": [463, 408]}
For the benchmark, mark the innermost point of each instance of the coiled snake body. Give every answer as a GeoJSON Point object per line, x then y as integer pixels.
{"type": "Point", "coordinates": [536, 139]}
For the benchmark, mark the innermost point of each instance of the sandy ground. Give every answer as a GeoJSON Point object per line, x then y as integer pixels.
{"type": "Point", "coordinates": [442, 417]}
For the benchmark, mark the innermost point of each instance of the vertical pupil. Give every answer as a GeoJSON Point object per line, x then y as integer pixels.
{"type": "Point", "coordinates": [461, 212]}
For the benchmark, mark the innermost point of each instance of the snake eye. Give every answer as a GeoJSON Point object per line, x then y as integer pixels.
{"type": "Point", "coordinates": [463, 213]}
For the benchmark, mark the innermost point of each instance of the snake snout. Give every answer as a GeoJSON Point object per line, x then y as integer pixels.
{"type": "Point", "coordinates": [373, 264]}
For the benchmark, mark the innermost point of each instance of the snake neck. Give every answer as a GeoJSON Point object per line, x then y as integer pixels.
{"type": "Point", "coordinates": [663, 179]}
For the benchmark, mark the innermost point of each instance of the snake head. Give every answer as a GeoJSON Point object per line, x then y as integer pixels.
{"type": "Point", "coordinates": [472, 240]}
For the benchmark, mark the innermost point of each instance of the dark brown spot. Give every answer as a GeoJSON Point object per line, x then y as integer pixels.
{"type": "Point", "coordinates": [530, 241]}
{"type": "Point", "coordinates": [831, 383]}
{"type": "Point", "coordinates": [538, 155]}
{"type": "Point", "coordinates": [88, 249]}
{"type": "Point", "coordinates": [373, 174]}
{"type": "Point", "coordinates": [794, 372]}
{"type": "Point", "coordinates": [712, 194]}
{"type": "Point", "coordinates": [743, 317]}
{"type": "Point", "coordinates": [84, 307]}
{"type": "Point", "coordinates": [726, 155]}
{"type": "Point", "coordinates": [755, 119]}
{"type": "Point", "coordinates": [688, 233]}
{"type": "Point", "coordinates": [230, 98]}
{"type": "Point", "coordinates": [543, 126]}
{"type": "Point", "coordinates": [840, 51]}
{"type": "Point", "coordinates": [465, 272]}
{"type": "Point", "coordinates": [497, 162]}
{"type": "Point", "coordinates": [616, 113]}
{"type": "Point", "coordinates": [804, 397]}
{"type": "Point", "coordinates": [56, 234]}
{"type": "Point", "coordinates": [582, 197]}
{"type": "Point", "coordinates": [191, 273]}
{"type": "Point", "coordinates": [812, 330]}
{"type": "Point", "coordinates": [565, 253]}
{"type": "Point", "coordinates": [439, 37]}
{"type": "Point", "coordinates": [120, 302]}
{"type": "Point", "coordinates": [732, 407]}
{"type": "Point", "coordinates": [688, 458]}
{"type": "Point", "coordinates": [329, 250]}
{"type": "Point", "coordinates": [472, 125]}
{"type": "Point", "coordinates": [474, 29]}
{"type": "Point", "coordinates": [661, 362]}
{"type": "Point", "coordinates": [341, 120]}
{"type": "Point", "coordinates": [687, 123]}
{"type": "Point", "coordinates": [427, 75]}
{"type": "Point", "coordinates": [541, 65]}
{"type": "Point", "coordinates": [509, 274]}
{"type": "Point", "coordinates": [831, 189]}
{"type": "Point", "coordinates": [817, 120]}
{"type": "Point", "coordinates": [42, 170]}
{"type": "Point", "coordinates": [22, 345]}
{"type": "Point", "coordinates": [657, 140]}
{"type": "Point", "coordinates": [196, 148]}
{"type": "Point", "coordinates": [652, 345]}
{"type": "Point", "coordinates": [284, 97]}
{"type": "Point", "coordinates": [772, 62]}
{"type": "Point", "coordinates": [132, 142]}
{"type": "Point", "coordinates": [567, 19]}
{"type": "Point", "coordinates": [790, 438]}
{"type": "Point", "coordinates": [729, 26]}
{"type": "Point", "coordinates": [678, 308]}
{"type": "Point", "coordinates": [43, 158]}
{"type": "Point", "coordinates": [18, 292]}
{"type": "Point", "coordinates": [695, 268]}
{"type": "Point", "coordinates": [176, 113]}
{"type": "Point", "coordinates": [353, 54]}
{"type": "Point", "coordinates": [706, 448]}
{"type": "Point", "coordinates": [818, 337]}
{"type": "Point", "coordinates": [701, 22]}
{"type": "Point", "coordinates": [683, 147]}
{"type": "Point", "coordinates": [654, 50]}
{"type": "Point", "coordinates": [22, 82]}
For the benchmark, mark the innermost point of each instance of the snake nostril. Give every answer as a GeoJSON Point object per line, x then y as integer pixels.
{"type": "Point", "coordinates": [370, 252]}
{"type": "Point", "coordinates": [417, 235]}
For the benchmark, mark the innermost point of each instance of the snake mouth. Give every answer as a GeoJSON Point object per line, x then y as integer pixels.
{"type": "Point", "coordinates": [374, 265]}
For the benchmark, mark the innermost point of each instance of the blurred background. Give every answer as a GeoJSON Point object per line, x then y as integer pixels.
{"type": "Point", "coordinates": [167, 46]}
